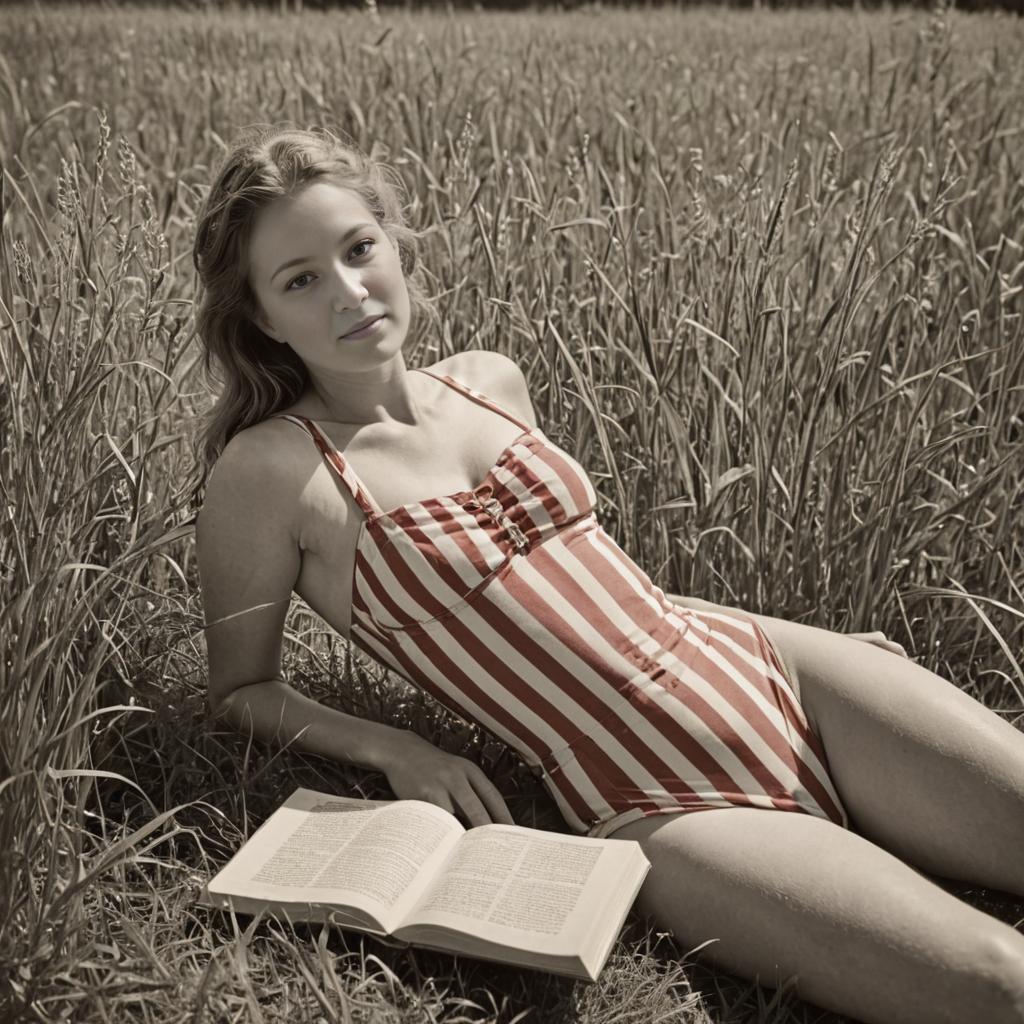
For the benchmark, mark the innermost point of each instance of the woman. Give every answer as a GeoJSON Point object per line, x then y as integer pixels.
{"type": "Point", "coordinates": [423, 514]}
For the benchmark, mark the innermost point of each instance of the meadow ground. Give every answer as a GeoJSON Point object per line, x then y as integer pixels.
{"type": "Point", "coordinates": [764, 273]}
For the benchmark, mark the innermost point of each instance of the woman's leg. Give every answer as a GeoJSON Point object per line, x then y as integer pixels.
{"type": "Point", "coordinates": [923, 770]}
{"type": "Point", "coordinates": [785, 894]}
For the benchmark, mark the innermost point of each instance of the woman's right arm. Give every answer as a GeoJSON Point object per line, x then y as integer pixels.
{"type": "Point", "coordinates": [247, 540]}
{"type": "Point", "coordinates": [248, 551]}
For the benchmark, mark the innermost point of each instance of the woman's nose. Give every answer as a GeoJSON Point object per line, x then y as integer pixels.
{"type": "Point", "coordinates": [349, 290]}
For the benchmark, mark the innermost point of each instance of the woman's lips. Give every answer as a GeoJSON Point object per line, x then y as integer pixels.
{"type": "Point", "coordinates": [359, 332]}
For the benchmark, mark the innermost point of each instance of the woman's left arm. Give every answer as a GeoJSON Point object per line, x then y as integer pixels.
{"type": "Point", "coordinates": [878, 637]}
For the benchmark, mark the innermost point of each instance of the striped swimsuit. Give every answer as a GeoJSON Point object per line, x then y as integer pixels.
{"type": "Point", "coordinates": [511, 606]}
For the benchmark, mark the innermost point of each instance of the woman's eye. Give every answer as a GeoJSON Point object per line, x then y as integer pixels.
{"type": "Point", "coordinates": [358, 245]}
{"type": "Point", "coordinates": [294, 279]}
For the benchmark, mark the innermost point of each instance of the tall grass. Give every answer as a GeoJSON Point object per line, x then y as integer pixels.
{"type": "Point", "coordinates": [764, 273]}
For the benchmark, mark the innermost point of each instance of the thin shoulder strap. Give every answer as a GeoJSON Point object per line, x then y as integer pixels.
{"type": "Point", "coordinates": [336, 461]}
{"type": "Point", "coordinates": [477, 396]}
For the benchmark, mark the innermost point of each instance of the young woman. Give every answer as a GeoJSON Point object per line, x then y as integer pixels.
{"type": "Point", "coordinates": [424, 514]}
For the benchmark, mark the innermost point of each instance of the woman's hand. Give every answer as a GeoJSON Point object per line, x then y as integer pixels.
{"type": "Point", "coordinates": [420, 771]}
{"type": "Point", "coordinates": [879, 639]}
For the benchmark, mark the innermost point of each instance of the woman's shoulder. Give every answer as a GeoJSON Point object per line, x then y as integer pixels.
{"type": "Point", "coordinates": [265, 456]}
{"type": "Point", "coordinates": [495, 375]}
{"type": "Point", "coordinates": [264, 439]}
{"type": "Point", "coordinates": [256, 491]}
{"type": "Point", "coordinates": [479, 366]}
{"type": "Point", "coordinates": [500, 378]}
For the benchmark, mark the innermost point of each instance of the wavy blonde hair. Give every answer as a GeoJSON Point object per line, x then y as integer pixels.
{"type": "Point", "coordinates": [264, 163]}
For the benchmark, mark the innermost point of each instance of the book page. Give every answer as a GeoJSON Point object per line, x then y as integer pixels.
{"type": "Point", "coordinates": [320, 849]}
{"type": "Point", "coordinates": [517, 885]}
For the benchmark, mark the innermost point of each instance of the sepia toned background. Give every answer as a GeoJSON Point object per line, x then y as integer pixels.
{"type": "Point", "coordinates": [763, 270]}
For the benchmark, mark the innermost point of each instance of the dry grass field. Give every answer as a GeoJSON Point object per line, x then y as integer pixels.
{"type": "Point", "coordinates": [765, 274]}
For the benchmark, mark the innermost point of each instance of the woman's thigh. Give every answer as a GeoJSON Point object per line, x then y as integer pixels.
{"type": "Point", "coordinates": [782, 894]}
{"type": "Point", "coordinates": [922, 768]}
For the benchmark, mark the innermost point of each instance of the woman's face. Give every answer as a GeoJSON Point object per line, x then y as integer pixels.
{"type": "Point", "coordinates": [319, 264]}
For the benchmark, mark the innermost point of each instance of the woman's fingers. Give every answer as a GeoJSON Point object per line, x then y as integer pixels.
{"type": "Point", "coordinates": [493, 800]}
{"type": "Point", "coordinates": [455, 784]}
{"type": "Point", "coordinates": [472, 807]}
{"type": "Point", "coordinates": [879, 639]}
{"type": "Point", "coordinates": [481, 802]}
{"type": "Point", "coordinates": [869, 638]}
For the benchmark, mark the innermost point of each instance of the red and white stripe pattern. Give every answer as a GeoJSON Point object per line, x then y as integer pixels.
{"type": "Point", "coordinates": [557, 643]}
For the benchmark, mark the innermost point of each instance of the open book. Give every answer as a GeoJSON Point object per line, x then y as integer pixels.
{"type": "Point", "coordinates": [408, 869]}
